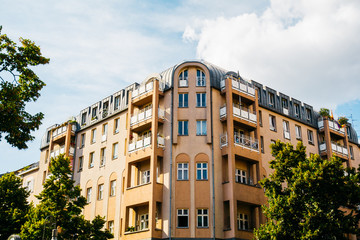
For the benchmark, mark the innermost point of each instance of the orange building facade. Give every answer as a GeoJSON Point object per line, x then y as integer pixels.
{"type": "Point", "coordinates": [179, 156]}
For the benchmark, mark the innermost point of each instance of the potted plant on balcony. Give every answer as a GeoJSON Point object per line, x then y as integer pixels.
{"type": "Point", "coordinates": [324, 112]}
{"type": "Point", "coordinates": [343, 121]}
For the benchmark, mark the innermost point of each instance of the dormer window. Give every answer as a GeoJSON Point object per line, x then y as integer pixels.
{"type": "Point", "coordinates": [308, 114]}
{"type": "Point", "coordinates": [200, 78]}
{"type": "Point", "coordinates": [284, 103]}
{"type": "Point", "coordinates": [94, 112]}
{"type": "Point", "coordinates": [183, 79]}
{"type": "Point", "coordinates": [271, 99]}
{"type": "Point", "coordinates": [297, 110]}
{"type": "Point", "coordinates": [83, 118]}
{"type": "Point", "coordinates": [116, 102]}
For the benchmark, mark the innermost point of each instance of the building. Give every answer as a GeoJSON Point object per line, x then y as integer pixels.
{"type": "Point", "coordinates": [181, 153]}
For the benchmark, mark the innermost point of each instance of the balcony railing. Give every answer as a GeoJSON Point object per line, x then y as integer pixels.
{"type": "Point", "coordinates": [222, 111]}
{"type": "Point", "coordinates": [143, 89]}
{"type": "Point", "coordinates": [285, 111]}
{"type": "Point", "coordinates": [161, 141]}
{"type": "Point", "coordinates": [223, 140]}
{"type": "Point", "coordinates": [142, 116]}
{"type": "Point", "coordinates": [62, 130]}
{"type": "Point", "coordinates": [335, 147]}
{"type": "Point", "coordinates": [139, 144]}
{"type": "Point", "coordinates": [244, 113]}
{"type": "Point", "coordinates": [332, 125]}
{"type": "Point", "coordinates": [240, 85]}
{"type": "Point", "coordinates": [183, 82]}
{"type": "Point", "coordinates": [245, 141]}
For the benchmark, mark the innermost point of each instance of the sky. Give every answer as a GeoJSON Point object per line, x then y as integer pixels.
{"type": "Point", "coordinates": [309, 50]}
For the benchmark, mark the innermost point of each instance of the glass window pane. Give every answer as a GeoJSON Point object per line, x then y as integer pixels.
{"type": "Point", "coordinates": [186, 127]}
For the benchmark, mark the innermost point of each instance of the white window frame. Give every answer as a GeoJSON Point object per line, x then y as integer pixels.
{"type": "Point", "coordinates": [286, 128]}
{"type": "Point", "coordinates": [296, 110]}
{"type": "Point", "coordinates": [200, 100]}
{"type": "Point", "coordinates": [91, 159]}
{"type": "Point", "coordinates": [81, 162]}
{"type": "Point", "coordinates": [184, 76]}
{"type": "Point", "coordinates": [203, 218]}
{"type": "Point", "coordinates": [115, 150]}
{"type": "Point", "coordinates": [351, 150]}
{"type": "Point", "coordinates": [102, 156]}
{"type": "Point", "coordinates": [93, 135]}
{"type": "Point", "coordinates": [111, 226]}
{"type": "Point", "coordinates": [83, 118]}
{"type": "Point", "coordinates": [182, 213]}
{"type": "Point", "coordinates": [271, 99]}
{"type": "Point", "coordinates": [298, 132]}
{"type": "Point", "coordinates": [240, 176]}
{"type": "Point", "coordinates": [182, 102]}
{"type": "Point", "coordinates": [116, 102]}
{"type": "Point", "coordinates": [201, 171]}
{"type": "Point", "coordinates": [112, 188]}
{"type": "Point", "coordinates": [201, 128]}
{"type": "Point", "coordinates": [82, 143]}
{"type": "Point", "coordinates": [243, 221]}
{"type": "Point", "coordinates": [200, 78]}
{"type": "Point", "coordinates": [104, 132]}
{"type": "Point", "coordinates": [308, 114]}
{"type": "Point", "coordinates": [100, 191]}
{"type": "Point", "coordinates": [145, 177]}
{"type": "Point", "coordinates": [272, 122]}
{"type": "Point", "coordinates": [310, 136]}
{"type": "Point", "coordinates": [144, 221]}
{"type": "Point", "coordinates": [116, 125]}
{"type": "Point", "coordinates": [184, 127]}
{"type": "Point", "coordinates": [183, 171]}
{"type": "Point", "coordinates": [88, 194]}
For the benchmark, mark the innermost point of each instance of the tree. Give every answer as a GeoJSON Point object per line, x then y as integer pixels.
{"type": "Point", "coordinates": [13, 204]}
{"type": "Point", "coordinates": [18, 85]}
{"type": "Point", "coordinates": [309, 197]}
{"type": "Point", "coordinates": [60, 207]}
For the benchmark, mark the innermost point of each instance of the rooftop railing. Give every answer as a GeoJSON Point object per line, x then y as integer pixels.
{"type": "Point", "coordinates": [240, 85]}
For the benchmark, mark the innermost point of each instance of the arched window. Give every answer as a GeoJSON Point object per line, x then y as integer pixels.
{"type": "Point", "coordinates": [183, 79]}
{"type": "Point", "coordinates": [200, 78]}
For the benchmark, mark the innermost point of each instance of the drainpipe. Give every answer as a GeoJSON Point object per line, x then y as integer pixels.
{"type": "Point", "coordinates": [212, 162]}
{"type": "Point", "coordinates": [171, 146]}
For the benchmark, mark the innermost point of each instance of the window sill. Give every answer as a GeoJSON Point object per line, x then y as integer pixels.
{"type": "Point", "coordinates": [183, 107]}
{"type": "Point", "coordinates": [183, 227]}
{"type": "Point", "coordinates": [183, 135]}
{"type": "Point", "coordinates": [143, 230]}
{"type": "Point", "coordinates": [202, 227]}
{"type": "Point", "coordinates": [183, 179]}
{"type": "Point", "coordinates": [201, 106]}
{"type": "Point", "coordinates": [311, 143]}
{"type": "Point", "coordinates": [273, 129]}
{"type": "Point", "coordinates": [201, 134]}
{"type": "Point", "coordinates": [201, 179]}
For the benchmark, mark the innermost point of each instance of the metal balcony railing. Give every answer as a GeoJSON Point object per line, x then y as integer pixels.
{"type": "Point", "coordinates": [244, 113]}
{"type": "Point", "coordinates": [335, 147]}
{"type": "Point", "coordinates": [332, 125]}
{"type": "Point", "coordinates": [240, 85]}
{"type": "Point", "coordinates": [245, 141]}
{"type": "Point", "coordinates": [143, 89]}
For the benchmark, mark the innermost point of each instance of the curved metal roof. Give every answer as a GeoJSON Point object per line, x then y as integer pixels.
{"type": "Point", "coordinates": [216, 73]}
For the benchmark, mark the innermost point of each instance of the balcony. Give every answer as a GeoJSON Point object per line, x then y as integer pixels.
{"type": "Point", "coordinates": [246, 142]}
{"type": "Point", "coordinates": [335, 147]}
{"type": "Point", "coordinates": [141, 117]}
{"type": "Point", "coordinates": [139, 144]}
{"type": "Point", "coordinates": [244, 113]}
{"type": "Point", "coordinates": [333, 125]}
{"type": "Point", "coordinates": [142, 90]}
{"type": "Point", "coordinates": [241, 86]}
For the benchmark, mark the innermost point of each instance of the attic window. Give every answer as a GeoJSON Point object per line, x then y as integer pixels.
{"type": "Point", "coordinates": [271, 99]}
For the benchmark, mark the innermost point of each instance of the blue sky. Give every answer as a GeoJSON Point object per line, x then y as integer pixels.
{"type": "Point", "coordinates": [306, 49]}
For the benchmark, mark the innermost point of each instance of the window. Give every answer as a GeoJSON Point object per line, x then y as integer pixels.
{"type": "Point", "coordinates": [262, 144]}
{"type": "Point", "coordinates": [81, 159]}
{"type": "Point", "coordinates": [200, 78]}
{"type": "Point", "coordinates": [243, 221]}
{"type": "Point", "coordinates": [94, 112]}
{"type": "Point", "coordinates": [201, 171]}
{"type": "Point", "coordinates": [297, 110]}
{"type": "Point", "coordinates": [93, 135]}
{"type": "Point", "coordinates": [183, 128]}
{"type": "Point", "coordinates": [183, 171]}
{"type": "Point", "coordinates": [100, 191]}
{"type": "Point", "coordinates": [144, 221]}
{"type": "Point", "coordinates": [351, 152]}
{"type": "Point", "coordinates": [183, 218]}
{"type": "Point", "coordinates": [145, 177]}
{"type": "Point", "coordinates": [104, 132]}
{"type": "Point", "coordinates": [102, 157]}
{"type": "Point", "coordinates": [183, 100]}
{"type": "Point", "coordinates": [116, 102]}
{"type": "Point", "coordinates": [284, 103]}
{"type": "Point", "coordinates": [83, 118]}
{"type": "Point", "coordinates": [82, 144]}
{"type": "Point", "coordinates": [112, 188]}
{"type": "Point", "coordinates": [183, 79]}
{"type": "Point", "coordinates": [286, 129]}
{"type": "Point", "coordinates": [91, 160]}
{"type": "Point", "coordinates": [308, 114]}
{"type": "Point", "coordinates": [310, 137]}
{"type": "Point", "coordinates": [260, 118]}
{"type": "Point", "coordinates": [240, 176]}
{"type": "Point", "coordinates": [271, 99]}
{"type": "Point", "coordinates": [348, 132]}
{"type": "Point", "coordinates": [298, 132]}
{"type": "Point", "coordinates": [202, 218]}
{"type": "Point", "coordinates": [272, 142]}
{"type": "Point", "coordinates": [88, 194]}
{"type": "Point", "coordinates": [272, 122]}
{"type": "Point", "coordinates": [115, 151]}
{"type": "Point", "coordinates": [200, 128]}
{"type": "Point", "coordinates": [201, 100]}
{"type": "Point", "coordinates": [116, 125]}
{"type": "Point", "coordinates": [30, 185]}
{"type": "Point", "coordinates": [111, 226]}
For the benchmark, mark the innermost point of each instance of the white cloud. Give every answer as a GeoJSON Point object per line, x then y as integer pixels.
{"type": "Point", "coordinates": [306, 49]}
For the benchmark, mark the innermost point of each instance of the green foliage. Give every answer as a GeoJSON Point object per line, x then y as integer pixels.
{"type": "Point", "coordinates": [19, 85]}
{"type": "Point", "coordinates": [324, 112]}
{"type": "Point", "coordinates": [307, 196]}
{"type": "Point", "coordinates": [13, 204]}
{"type": "Point", "coordinates": [343, 120]}
{"type": "Point", "coordinates": [60, 207]}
